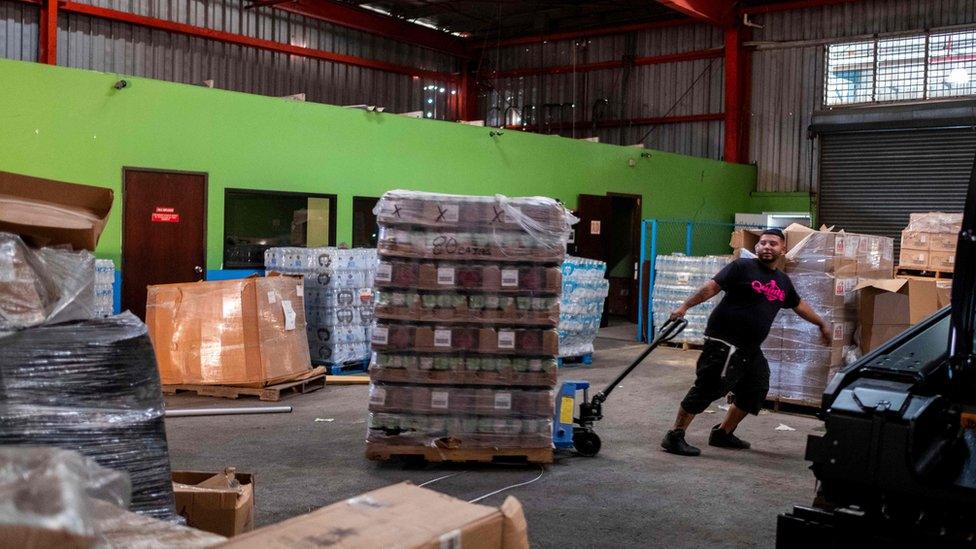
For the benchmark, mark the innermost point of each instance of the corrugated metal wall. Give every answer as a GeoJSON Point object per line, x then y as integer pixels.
{"type": "Point", "coordinates": [18, 31]}
{"type": "Point", "coordinates": [649, 91]}
{"type": "Point", "coordinates": [93, 43]}
{"type": "Point", "coordinates": [787, 79]}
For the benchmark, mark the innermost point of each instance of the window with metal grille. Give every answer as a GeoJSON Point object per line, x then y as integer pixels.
{"type": "Point", "coordinates": [906, 68]}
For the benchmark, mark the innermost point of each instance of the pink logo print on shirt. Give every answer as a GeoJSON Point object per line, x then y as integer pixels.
{"type": "Point", "coordinates": [770, 290]}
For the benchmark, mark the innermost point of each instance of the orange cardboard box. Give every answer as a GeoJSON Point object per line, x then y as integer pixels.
{"type": "Point", "coordinates": [213, 508]}
{"type": "Point", "coordinates": [247, 332]}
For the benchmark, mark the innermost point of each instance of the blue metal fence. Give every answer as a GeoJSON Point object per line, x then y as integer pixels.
{"type": "Point", "coordinates": [660, 237]}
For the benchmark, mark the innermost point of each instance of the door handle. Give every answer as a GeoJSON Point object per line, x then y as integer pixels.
{"type": "Point", "coordinates": [198, 269]}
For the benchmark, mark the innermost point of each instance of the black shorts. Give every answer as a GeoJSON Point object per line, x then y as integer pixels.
{"type": "Point", "coordinates": [746, 375]}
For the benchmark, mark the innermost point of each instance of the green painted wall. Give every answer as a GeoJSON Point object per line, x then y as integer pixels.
{"type": "Point", "coordinates": [72, 125]}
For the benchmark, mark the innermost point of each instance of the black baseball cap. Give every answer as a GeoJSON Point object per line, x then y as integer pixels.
{"type": "Point", "coordinates": [775, 232]}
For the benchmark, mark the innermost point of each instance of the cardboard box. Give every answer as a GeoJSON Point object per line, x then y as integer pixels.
{"type": "Point", "coordinates": [247, 332]}
{"type": "Point", "coordinates": [943, 242]}
{"type": "Point", "coordinates": [913, 259]}
{"type": "Point", "coordinates": [224, 511]}
{"type": "Point", "coordinates": [889, 306]}
{"type": "Point", "coordinates": [51, 213]}
{"type": "Point", "coordinates": [118, 528]}
{"type": "Point", "coordinates": [915, 240]}
{"type": "Point", "coordinates": [401, 515]}
{"type": "Point", "coordinates": [942, 261]}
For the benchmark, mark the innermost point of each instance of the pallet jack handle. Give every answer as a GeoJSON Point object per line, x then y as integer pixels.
{"type": "Point", "coordinates": [669, 330]}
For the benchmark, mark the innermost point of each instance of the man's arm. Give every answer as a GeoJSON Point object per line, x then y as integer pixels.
{"type": "Point", "coordinates": [808, 314]}
{"type": "Point", "coordinates": [706, 292]}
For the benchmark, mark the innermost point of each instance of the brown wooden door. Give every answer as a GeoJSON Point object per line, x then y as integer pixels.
{"type": "Point", "coordinates": [164, 220]}
{"type": "Point", "coordinates": [592, 231]}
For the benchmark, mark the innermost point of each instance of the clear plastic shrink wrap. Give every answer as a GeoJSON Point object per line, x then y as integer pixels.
{"type": "Point", "coordinates": [90, 386]}
{"type": "Point", "coordinates": [467, 306]}
{"type": "Point", "coordinates": [677, 277]}
{"type": "Point", "coordinates": [581, 304]}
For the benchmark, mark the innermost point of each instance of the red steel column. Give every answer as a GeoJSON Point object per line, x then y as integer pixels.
{"type": "Point", "coordinates": [468, 95]}
{"type": "Point", "coordinates": [47, 36]}
{"type": "Point", "coordinates": [737, 86]}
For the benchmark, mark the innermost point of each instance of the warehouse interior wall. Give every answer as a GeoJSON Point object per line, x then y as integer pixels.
{"type": "Point", "coordinates": [74, 125]}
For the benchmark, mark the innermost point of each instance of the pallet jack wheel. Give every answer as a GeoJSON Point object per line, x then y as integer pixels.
{"type": "Point", "coordinates": [586, 442]}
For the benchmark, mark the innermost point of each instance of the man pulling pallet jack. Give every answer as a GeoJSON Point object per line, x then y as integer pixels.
{"type": "Point", "coordinates": [731, 359]}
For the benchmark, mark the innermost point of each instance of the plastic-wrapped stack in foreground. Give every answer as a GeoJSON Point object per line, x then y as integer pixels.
{"type": "Point", "coordinates": [43, 285]}
{"type": "Point", "coordinates": [104, 288]}
{"type": "Point", "coordinates": [581, 305]}
{"type": "Point", "coordinates": [676, 278]}
{"type": "Point", "coordinates": [465, 342]}
{"type": "Point", "coordinates": [824, 267]}
{"type": "Point", "coordinates": [90, 386]}
{"type": "Point", "coordinates": [338, 298]}
{"type": "Point", "coordinates": [928, 243]}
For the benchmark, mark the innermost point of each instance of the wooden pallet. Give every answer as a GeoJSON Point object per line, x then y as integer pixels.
{"type": "Point", "coordinates": [794, 407]}
{"type": "Point", "coordinates": [271, 393]}
{"type": "Point", "coordinates": [386, 452]}
{"type": "Point", "coordinates": [347, 379]}
{"type": "Point", "coordinates": [906, 272]}
{"type": "Point", "coordinates": [685, 346]}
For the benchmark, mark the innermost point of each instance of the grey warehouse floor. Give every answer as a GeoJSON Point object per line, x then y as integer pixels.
{"type": "Point", "coordinates": [631, 495]}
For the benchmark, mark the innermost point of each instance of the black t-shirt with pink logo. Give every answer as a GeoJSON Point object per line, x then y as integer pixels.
{"type": "Point", "coordinates": [754, 293]}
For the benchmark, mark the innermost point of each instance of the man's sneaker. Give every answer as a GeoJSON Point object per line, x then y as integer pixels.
{"type": "Point", "coordinates": [674, 442]}
{"type": "Point", "coordinates": [726, 440]}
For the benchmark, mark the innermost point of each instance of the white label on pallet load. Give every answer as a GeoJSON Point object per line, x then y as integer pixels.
{"type": "Point", "coordinates": [506, 339]}
{"type": "Point", "coordinates": [381, 335]}
{"type": "Point", "coordinates": [839, 245]}
{"type": "Point", "coordinates": [231, 306]}
{"type": "Point", "coordinates": [384, 272]}
{"type": "Point", "coordinates": [838, 331]}
{"type": "Point", "coordinates": [377, 396]}
{"type": "Point", "coordinates": [923, 238]}
{"type": "Point", "coordinates": [289, 312]}
{"type": "Point", "coordinates": [445, 276]}
{"type": "Point", "coordinates": [439, 399]}
{"type": "Point", "coordinates": [451, 540]}
{"type": "Point", "coordinates": [442, 338]}
{"type": "Point", "coordinates": [272, 296]}
{"type": "Point", "coordinates": [503, 401]}
{"type": "Point", "coordinates": [300, 290]}
{"type": "Point", "coordinates": [844, 285]}
{"type": "Point", "coordinates": [509, 278]}
{"type": "Point", "coordinates": [887, 252]}
{"type": "Point", "coordinates": [852, 245]}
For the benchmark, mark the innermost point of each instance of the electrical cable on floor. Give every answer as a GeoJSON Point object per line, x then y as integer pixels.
{"type": "Point", "coordinates": [542, 471]}
{"type": "Point", "coordinates": [433, 480]}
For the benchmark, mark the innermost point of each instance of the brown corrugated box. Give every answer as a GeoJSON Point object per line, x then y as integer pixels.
{"type": "Point", "coordinates": [915, 259]}
{"type": "Point", "coordinates": [943, 242]}
{"type": "Point", "coordinates": [942, 261]}
{"type": "Point", "coordinates": [215, 508]}
{"type": "Point", "coordinates": [915, 240]}
{"type": "Point", "coordinates": [889, 306]}
{"type": "Point", "coordinates": [50, 213]}
{"type": "Point", "coordinates": [401, 515]}
{"type": "Point", "coordinates": [248, 332]}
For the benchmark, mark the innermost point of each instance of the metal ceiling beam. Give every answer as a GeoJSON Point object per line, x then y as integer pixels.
{"type": "Point", "coordinates": [717, 12]}
{"type": "Point", "coordinates": [794, 5]}
{"type": "Point", "coordinates": [241, 40]}
{"type": "Point", "coordinates": [714, 53]}
{"type": "Point", "coordinates": [589, 33]}
{"type": "Point", "coordinates": [378, 24]}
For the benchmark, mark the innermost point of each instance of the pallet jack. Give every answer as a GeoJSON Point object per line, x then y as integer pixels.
{"type": "Point", "coordinates": [577, 433]}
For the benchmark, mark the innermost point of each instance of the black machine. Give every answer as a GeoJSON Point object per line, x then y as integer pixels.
{"type": "Point", "coordinates": [577, 432]}
{"type": "Point", "coordinates": [897, 463]}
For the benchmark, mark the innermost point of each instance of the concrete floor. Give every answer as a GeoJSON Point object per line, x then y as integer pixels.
{"type": "Point", "coordinates": [631, 495]}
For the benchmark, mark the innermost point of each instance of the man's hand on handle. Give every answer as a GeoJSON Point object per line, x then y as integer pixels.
{"type": "Point", "coordinates": [678, 313]}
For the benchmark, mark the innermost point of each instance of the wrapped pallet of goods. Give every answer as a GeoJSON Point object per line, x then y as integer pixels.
{"type": "Point", "coordinates": [928, 243]}
{"type": "Point", "coordinates": [676, 278]}
{"type": "Point", "coordinates": [585, 291]}
{"type": "Point", "coordinates": [338, 299]}
{"type": "Point", "coordinates": [825, 267]}
{"type": "Point", "coordinates": [465, 341]}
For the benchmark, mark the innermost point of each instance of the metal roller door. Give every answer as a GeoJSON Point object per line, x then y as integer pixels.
{"type": "Point", "coordinates": [871, 180]}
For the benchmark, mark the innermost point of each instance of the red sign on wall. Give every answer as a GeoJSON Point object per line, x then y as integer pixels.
{"type": "Point", "coordinates": [164, 215]}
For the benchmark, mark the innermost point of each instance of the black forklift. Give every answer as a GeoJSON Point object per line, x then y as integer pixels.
{"type": "Point", "coordinates": [897, 462]}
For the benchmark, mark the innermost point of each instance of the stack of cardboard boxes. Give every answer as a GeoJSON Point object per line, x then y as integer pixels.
{"type": "Point", "coordinates": [928, 243]}
{"type": "Point", "coordinates": [465, 342]}
{"type": "Point", "coordinates": [825, 267]}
